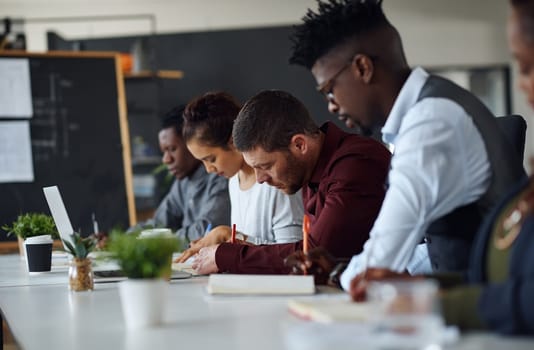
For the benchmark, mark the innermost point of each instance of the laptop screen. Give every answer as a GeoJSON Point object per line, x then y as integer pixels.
{"type": "Point", "coordinates": [59, 212]}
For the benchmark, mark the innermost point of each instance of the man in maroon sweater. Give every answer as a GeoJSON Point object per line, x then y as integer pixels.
{"type": "Point", "coordinates": [342, 178]}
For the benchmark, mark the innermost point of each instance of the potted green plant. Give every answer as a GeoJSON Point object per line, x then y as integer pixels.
{"type": "Point", "coordinates": [80, 270]}
{"type": "Point", "coordinates": [147, 264]}
{"type": "Point", "coordinates": [31, 225]}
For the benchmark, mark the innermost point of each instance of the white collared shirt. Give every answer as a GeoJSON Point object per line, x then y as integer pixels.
{"type": "Point", "coordinates": [440, 163]}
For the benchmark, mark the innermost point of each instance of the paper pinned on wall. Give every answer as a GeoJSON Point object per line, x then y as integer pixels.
{"type": "Point", "coordinates": [16, 163]}
{"type": "Point", "coordinates": [15, 88]}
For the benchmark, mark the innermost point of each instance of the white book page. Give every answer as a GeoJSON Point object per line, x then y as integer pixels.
{"type": "Point", "coordinates": [260, 284]}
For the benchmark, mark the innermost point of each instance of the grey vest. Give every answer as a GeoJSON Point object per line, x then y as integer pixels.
{"type": "Point", "coordinates": [449, 238]}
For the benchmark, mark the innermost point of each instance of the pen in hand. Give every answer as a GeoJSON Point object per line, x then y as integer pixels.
{"type": "Point", "coordinates": [233, 233]}
{"type": "Point", "coordinates": [95, 224]}
{"type": "Point", "coordinates": [305, 234]}
{"type": "Point", "coordinates": [208, 229]}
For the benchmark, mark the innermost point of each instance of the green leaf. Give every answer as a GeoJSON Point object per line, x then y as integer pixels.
{"type": "Point", "coordinates": [80, 247]}
{"type": "Point", "coordinates": [143, 257]}
{"type": "Point", "coordinates": [32, 224]}
{"type": "Point", "coordinates": [69, 246]}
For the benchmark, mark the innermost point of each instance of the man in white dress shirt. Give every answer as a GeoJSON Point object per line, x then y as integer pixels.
{"type": "Point", "coordinates": [446, 143]}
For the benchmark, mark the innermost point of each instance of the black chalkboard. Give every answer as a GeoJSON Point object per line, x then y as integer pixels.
{"type": "Point", "coordinates": [239, 61]}
{"type": "Point", "coordinates": [77, 132]}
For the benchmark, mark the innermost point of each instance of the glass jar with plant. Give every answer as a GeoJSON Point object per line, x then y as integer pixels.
{"type": "Point", "coordinates": [31, 225]}
{"type": "Point", "coordinates": [147, 264]}
{"type": "Point", "coordinates": [80, 270]}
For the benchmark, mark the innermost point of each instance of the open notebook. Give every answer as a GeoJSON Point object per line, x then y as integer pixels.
{"type": "Point", "coordinates": [184, 267]}
{"type": "Point", "coordinates": [260, 284]}
{"type": "Point", "coordinates": [333, 309]}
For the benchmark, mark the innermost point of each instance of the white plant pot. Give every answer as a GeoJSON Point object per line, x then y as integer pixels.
{"type": "Point", "coordinates": [142, 301]}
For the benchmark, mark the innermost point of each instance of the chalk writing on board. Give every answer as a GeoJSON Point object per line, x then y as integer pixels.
{"type": "Point", "coordinates": [52, 124]}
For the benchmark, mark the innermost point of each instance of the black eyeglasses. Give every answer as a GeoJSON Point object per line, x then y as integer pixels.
{"type": "Point", "coordinates": [326, 88]}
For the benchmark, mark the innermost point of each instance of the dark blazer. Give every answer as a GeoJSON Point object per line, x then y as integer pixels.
{"type": "Point", "coordinates": [506, 307]}
{"type": "Point", "coordinates": [450, 238]}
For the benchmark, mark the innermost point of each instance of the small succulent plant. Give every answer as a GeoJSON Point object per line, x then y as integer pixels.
{"type": "Point", "coordinates": [80, 247]}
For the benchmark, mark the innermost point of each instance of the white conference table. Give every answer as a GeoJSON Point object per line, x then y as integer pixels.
{"type": "Point", "coordinates": [44, 315]}
{"type": "Point", "coordinates": [13, 273]}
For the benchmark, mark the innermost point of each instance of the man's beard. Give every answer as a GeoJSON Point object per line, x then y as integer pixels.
{"type": "Point", "coordinates": [293, 180]}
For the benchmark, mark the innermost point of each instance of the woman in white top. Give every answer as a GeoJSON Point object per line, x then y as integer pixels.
{"type": "Point", "coordinates": [261, 213]}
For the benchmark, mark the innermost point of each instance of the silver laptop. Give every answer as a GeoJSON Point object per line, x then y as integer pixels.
{"type": "Point", "coordinates": [59, 213]}
{"type": "Point", "coordinates": [109, 272]}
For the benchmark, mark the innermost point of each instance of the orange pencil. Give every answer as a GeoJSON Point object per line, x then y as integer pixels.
{"type": "Point", "coordinates": [305, 233]}
{"type": "Point", "coordinates": [233, 233]}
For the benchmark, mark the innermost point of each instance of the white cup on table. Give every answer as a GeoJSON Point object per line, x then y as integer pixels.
{"type": "Point", "coordinates": [408, 314]}
{"type": "Point", "coordinates": [156, 232]}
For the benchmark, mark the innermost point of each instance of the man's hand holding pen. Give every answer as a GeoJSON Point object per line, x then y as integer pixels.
{"type": "Point", "coordinates": [317, 262]}
{"type": "Point", "coordinates": [218, 235]}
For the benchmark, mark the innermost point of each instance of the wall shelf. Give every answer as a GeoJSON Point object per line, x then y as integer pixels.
{"type": "Point", "coordinates": [163, 74]}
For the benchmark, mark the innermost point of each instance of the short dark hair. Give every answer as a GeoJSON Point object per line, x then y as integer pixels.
{"type": "Point", "coordinates": [269, 120]}
{"type": "Point", "coordinates": [334, 23]}
{"type": "Point", "coordinates": [173, 119]}
{"type": "Point", "coordinates": [209, 118]}
{"type": "Point", "coordinates": [520, 2]}
{"type": "Point", "coordinates": [525, 11]}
